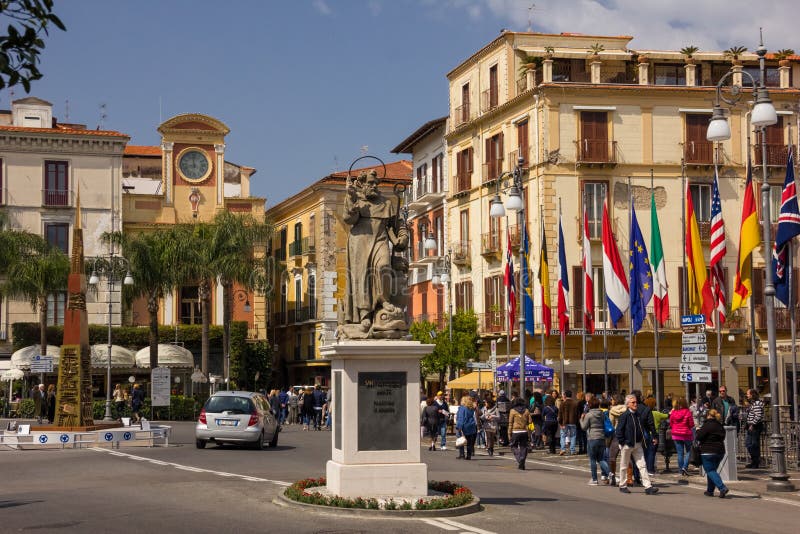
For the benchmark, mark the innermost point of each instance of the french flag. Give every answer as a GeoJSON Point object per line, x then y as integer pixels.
{"type": "Point", "coordinates": [563, 283]}
{"type": "Point", "coordinates": [588, 277]}
{"type": "Point", "coordinates": [618, 296]}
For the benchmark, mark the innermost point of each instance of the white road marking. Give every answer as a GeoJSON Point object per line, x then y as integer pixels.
{"type": "Point", "coordinates": [192, 468]}
{"type": "Point", "coordinates": [466, 528]}
{"type": "Point", "coordinates": [437, 523]}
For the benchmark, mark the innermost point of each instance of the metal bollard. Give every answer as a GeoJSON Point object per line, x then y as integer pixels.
{"type": "Point", "coordinates": [727, 467]}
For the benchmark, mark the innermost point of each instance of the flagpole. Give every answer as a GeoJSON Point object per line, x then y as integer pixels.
{"type": "Point", "coordinates": [605, 344]}
{"type": "Point", "coordinates": [541, 247]}
{"type": "Point", "coordinates": [655, 318]}
{"type": "Point", "coordinates": [583, 304]}
{"type": "Point", "coordinates": [720, 383]}
{"type": "Point", "coordinates": [685, 284]}
{"type": "Point", "coordinates": [793, 327]}
{"type": "Point", "coordinates": [562, 333]}
{"type": "Point", "coordinates": [630, 285]}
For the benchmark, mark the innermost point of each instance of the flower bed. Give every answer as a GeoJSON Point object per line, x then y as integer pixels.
{"type": "Point", "coordinates": [456, 495]}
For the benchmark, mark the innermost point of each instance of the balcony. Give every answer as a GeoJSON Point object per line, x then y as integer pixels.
{"type": "Point", "coordinates": [513, 157]}
{"type": "Point", "coordinates": [492, 170]}
{"type": "Point", "coordinates": [462, 115]}
{"type": "Point", "coordinates": [705, 230]}
{"type": "Point", "coordinates": [699, 153]}
{"type": "Point", "coordinates": [492, 322]}
{"type": "Point", "coordinates": [56, 198]}
{"type": "Point", "coordinates": [303, 247]}
{"type": "Point", "coordinates": [515, 233]}
{"type": "Point", "coordinates": [491, 244]}
{"type": "Point", "coordinates": [460, 253]}
{"type": "Point", "coordinates": [310, 352]}
{"type": "Point", "coordinates": [462, 182]}
{"type": "Point", "coordinates": [596, 152]}
{"type": "Point", "coordinates": [280, 254]}
{"type": "Point", "coordinates": [489, 100]}
{"type": "Point", "coordinates": [279, 318]}
{"type": "Point", "coordinates": [777, 154]}
{"type": "Point", "coordinates": [564, 72]}
{"type": "Point", "coordinates": [426, 192]}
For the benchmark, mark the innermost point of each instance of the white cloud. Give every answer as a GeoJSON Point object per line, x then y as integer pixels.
{"type": "Point", "coordinates": [322, 7]}
{"type": "Point", "coordinates": [654, 24]}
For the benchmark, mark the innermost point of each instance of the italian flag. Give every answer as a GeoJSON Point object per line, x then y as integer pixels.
{"type": "Point", "coordinates": [660, 296]}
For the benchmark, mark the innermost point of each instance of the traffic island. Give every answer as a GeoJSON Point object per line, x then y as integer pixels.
{"type": "Point", "coordinates": [444, 499]}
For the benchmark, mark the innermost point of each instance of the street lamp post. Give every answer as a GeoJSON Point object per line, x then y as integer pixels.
{"type": "Point", "coordinates": [444, 279]}
{"type": "Point", "coordinates": [240, 295]}
{"type": "Point", "coordinates": [109, 264]}
{"type": "Point", "coordinates": [515, 204]}
{"type": "Point", "coordinates": [762, 115]}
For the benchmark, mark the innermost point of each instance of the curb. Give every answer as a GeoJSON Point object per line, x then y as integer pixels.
{"type": "Point", "coordinates": [471, 508]}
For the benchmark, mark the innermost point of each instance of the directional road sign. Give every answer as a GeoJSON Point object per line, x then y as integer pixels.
{"type": "Point", "coordinates": [694, 368]}
{"type": "Point", "coordinates": [698, 348]}
{"type": "Point", "coordinates": [479, 365]}
{"type": "Point", "coordinates": [693, 319]}
{"type": "Point", "coordinates": [42, 364]}
{"type": "Point", "coordinates": [694, 338]}
{"type": "Point", "coordinates": [693, 328]}
{"type": "Point", "coordinates": [695, 377]}
{"type": "Point", "coordinates": [694, 358]}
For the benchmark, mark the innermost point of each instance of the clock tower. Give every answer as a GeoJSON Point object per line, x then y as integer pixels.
{"type": "Point", "coordinates": [193, 147]}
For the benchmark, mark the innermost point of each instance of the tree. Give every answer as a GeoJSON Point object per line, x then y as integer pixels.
{"type": "Point", "coordinates": [455, 355]}
{"type": "Point", "coordinates": [22, 44]}
{"type": "Point", "coordinates": [40, 271]}
{"type": "Point", "coordinates": [153, 258]}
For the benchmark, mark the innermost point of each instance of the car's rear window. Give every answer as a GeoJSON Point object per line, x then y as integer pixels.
{"type": "Point", "coordinates": [229, 404]}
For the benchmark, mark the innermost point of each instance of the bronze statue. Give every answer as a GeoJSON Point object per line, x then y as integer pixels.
{"type": "Point", "coordinates": [374, 304]}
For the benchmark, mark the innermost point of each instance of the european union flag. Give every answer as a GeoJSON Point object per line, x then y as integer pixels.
{"type": "Point", "coordinates": [641, 274]}
{"type": "Point", "coordinates": [527, 291]}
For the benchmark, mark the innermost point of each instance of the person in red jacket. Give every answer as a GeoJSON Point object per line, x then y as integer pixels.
{"type": "Point", "coordinates": [681, 423]}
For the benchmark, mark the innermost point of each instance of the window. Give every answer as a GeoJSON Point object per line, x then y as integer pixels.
{"type": "Point", "coordinates": [284, 237]}
{"type": "Point", "coordinates": [493, 242]}
{"type": "Point", "coordinates": [423, 297]}
{"type": "Point", "coordinates": [312, 296]}
{"type": "Point", "coordinates": [772, 76]}
{"type": "Point", "coordinates": [439, 229]}
{"type": "Point", "coordinates": [57, 235]}
{"type": "Point", "coordinates": [312, 230]}
{"type": "Point", "coordinates": [670, 75]}
{"type": "Point", "coordinates": [522, 140]}
{"type": "Point", "coordinates": [593, 145]}
{"type": "Point", "coordinates": [422, 234]}
{"type": "Point", "coordinates": [494, 300]}
{"type": "Point", "coordinates": [437, 173]}
{"type": "Point", "coordinates": [464, 219]}
{"type": "Point", "coordinates": [775, 192]}
{"type": "Point", "coordinates": [701, 200]}
{"type": "Point", "coordinates": [422, 180]}
{"type": "Point", "coordinates": [462, 112]}
{"type": "Point", "coordinates": [56, 183]}
{"type": "Point", "coordinates": [463, 293]}
{"type": "Point", "coordinates": [493, 92]}
{"type": "Point", "coordinates": [284, 301]}
{"type": "Point", "coordinates": [594, 194]}
{"type": "Point", "coordinates": [312, 342]}
{"type": "Point", "coordinates": [464, 170]}
{"type": "Point", "coordinates": [298, 344]}
{"type": "Point", "coordinates": [298, 295]}
{"type": "Point", "coordinates": [190, 305]}
{"type": "Point", "coordinates": [494, 157]}
{"type": "Point", "coordinates": [698, 149]}
{"type": "Point", "coordinates": [296, 248]}
{"type": "Point", "coordinates": [56, 304]}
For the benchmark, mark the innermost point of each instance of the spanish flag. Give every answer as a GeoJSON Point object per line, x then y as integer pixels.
{"type": "Point", "coordinates": [699, 288]}
{"type": "Point", "coordinates": [544, 283]}
{"type": "Point", "coordinates": [749, 239]}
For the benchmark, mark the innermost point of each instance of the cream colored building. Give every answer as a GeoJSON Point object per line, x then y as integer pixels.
{"type": "Point", "coordinates": [585, 124]}
{"type": "Point", "coordinates": [309, 249]}
{"type": "Point", "coordinates": [44, 164]}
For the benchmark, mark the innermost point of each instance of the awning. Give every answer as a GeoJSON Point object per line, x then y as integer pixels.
{"type": "Point", "coordinates": [120, 356]}
{"type": "Point", "coordinates": [22, 358]}
{"type": "Point", "coordinates": [470, 381]}
{"type": "Point", "coordinates": [168, 356]}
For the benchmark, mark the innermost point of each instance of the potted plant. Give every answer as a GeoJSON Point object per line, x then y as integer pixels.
{"type": "Point", "coordinates": [548, 52]}
{"type": "Point", "coordinates": [595, 49]}
{"type": "Point", "coordinates": [529, 62]}
{"type": "Point", "coordinates": [689, 52]}
{"type": "Point", "coordinates": [641, 58]}
{"type": "Point", "coordinates": [783, 56]}
{"type": "Point", "coordinates": [734, 52]}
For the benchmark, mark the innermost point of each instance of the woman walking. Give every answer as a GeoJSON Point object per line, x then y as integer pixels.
{"type": "Point", "coordinates": [307, 408]}
{"type": "Point", "coordinates": [467, 426]}
{"type": "Point", "coordinates": [490, 418]}
{"type": "Point", "coordinates": [518, 420]}
{"type": "Point", "coordinates": [550, 422]}
{"type": "Point", "coordinates": [51, 403]}
{"type": "Point", "coordinates": [711, 437]}
{"type": "Point", "coordinates": [430, 420]}
{"type": "Point", "coordinates": [681, 422]}
{"type": "Point", "coordinates": [592, 422]}
{"type": "Point", "coordinates": [537, 405]}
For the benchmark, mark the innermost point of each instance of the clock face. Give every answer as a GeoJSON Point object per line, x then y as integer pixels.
{"type": "Point", "coordinates": [194, 165]}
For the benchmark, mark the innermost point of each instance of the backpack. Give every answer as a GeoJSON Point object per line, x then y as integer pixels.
{"type": "Point", "coordinates": [608, 428]}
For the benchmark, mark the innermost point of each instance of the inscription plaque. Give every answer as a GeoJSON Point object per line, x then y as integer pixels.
{"type": "Point", "coordinates": [382, 411]}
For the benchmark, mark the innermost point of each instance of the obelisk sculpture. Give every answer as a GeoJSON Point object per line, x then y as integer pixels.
{"type": "Point", "coordinates": [74, 391]}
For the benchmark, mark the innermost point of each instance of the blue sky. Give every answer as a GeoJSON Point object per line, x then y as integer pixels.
{"type": "Point", "coordinates": [305, 84]}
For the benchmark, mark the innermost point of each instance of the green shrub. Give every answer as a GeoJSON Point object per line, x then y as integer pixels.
{"type": "Point", "coordinates": [181, 409]}
{"type": "Point", "coordinates": [26, 409]}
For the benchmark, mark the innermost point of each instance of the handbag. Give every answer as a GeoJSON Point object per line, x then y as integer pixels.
{"type": "Point", "coordinates": [461, 441]}
{"type": "Point", "coordinates": [694, 455]}
{"type": "Point", "coordinates": [608, 427]}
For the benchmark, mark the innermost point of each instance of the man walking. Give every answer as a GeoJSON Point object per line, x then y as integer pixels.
{"type": "Point", "coordinates": [444, 415]}
{"type": "Point", "coordinates": [40, 403]}
{"type": "Point", "coordinates": [631, 438]}
{"type": "Point", "coordinates": [755, 426]}
{"type": "Point", "coordinates": [727, 408]}
{"type": "Point", "coordinates": [567, 419]}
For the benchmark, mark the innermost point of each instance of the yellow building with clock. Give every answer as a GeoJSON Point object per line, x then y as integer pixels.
{"type": "Point", "coordinates": [187, 178]}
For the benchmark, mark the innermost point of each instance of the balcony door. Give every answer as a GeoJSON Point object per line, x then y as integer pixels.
{"type": "Point", "coordinates": [594, 136]}
{"type": "Point", "coordinates": [698, 149]}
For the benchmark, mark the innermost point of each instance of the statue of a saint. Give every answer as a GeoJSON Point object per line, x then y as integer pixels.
{"type": "Point", "coordinates": [372, 304]}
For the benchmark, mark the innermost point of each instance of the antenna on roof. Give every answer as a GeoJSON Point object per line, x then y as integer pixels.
{"type": "Point", "coordinates": [335, 164]}
{"type": "Point", "coordinates": [103, 116]}
{"type": "Point", "coordinates": [530, 17]}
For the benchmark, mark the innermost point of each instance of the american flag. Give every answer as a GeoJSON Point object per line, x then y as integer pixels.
{"type": "Point", "coordinates": [511, 290]}
{"type": "Point", "coordinates": [717, 253]}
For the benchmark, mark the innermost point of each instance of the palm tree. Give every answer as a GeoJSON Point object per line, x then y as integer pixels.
{"type": "Point", "coordinates": [40, 270]}
{"type": "Point", "coordinates": [153, 257]}
{"type": "Point", "coordinates": [224, 250]}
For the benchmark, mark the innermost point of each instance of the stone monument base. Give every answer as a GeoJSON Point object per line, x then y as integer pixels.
{"type": "Point", "coordinates": [377, 480]}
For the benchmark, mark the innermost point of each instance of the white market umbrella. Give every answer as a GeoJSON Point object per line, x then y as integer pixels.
{"type": "Point", "coordinates": [120, 356]}
{"type": "Point", "coordinates": [22, 358]}
{"type": "Point", "coordinates": [168, 356]}
{"type": "Point", "coordinates": [11, 375]}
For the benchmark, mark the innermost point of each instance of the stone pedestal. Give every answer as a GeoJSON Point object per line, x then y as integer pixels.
{"type": "Point", "coordinates": [375, 439]}
{"type": "Point", "coordinates": [691, 74]}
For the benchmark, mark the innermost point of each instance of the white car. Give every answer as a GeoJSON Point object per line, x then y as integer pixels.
{"type": "Point", "coordinates": [239, 417]}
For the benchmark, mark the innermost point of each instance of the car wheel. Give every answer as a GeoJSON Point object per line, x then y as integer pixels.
{"type": "Point", "coordinates": [200, 444]}
{"type": "Point", "coordinates": [260, 443]}
{"type": "Point", "coordinates": [274, 442]}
